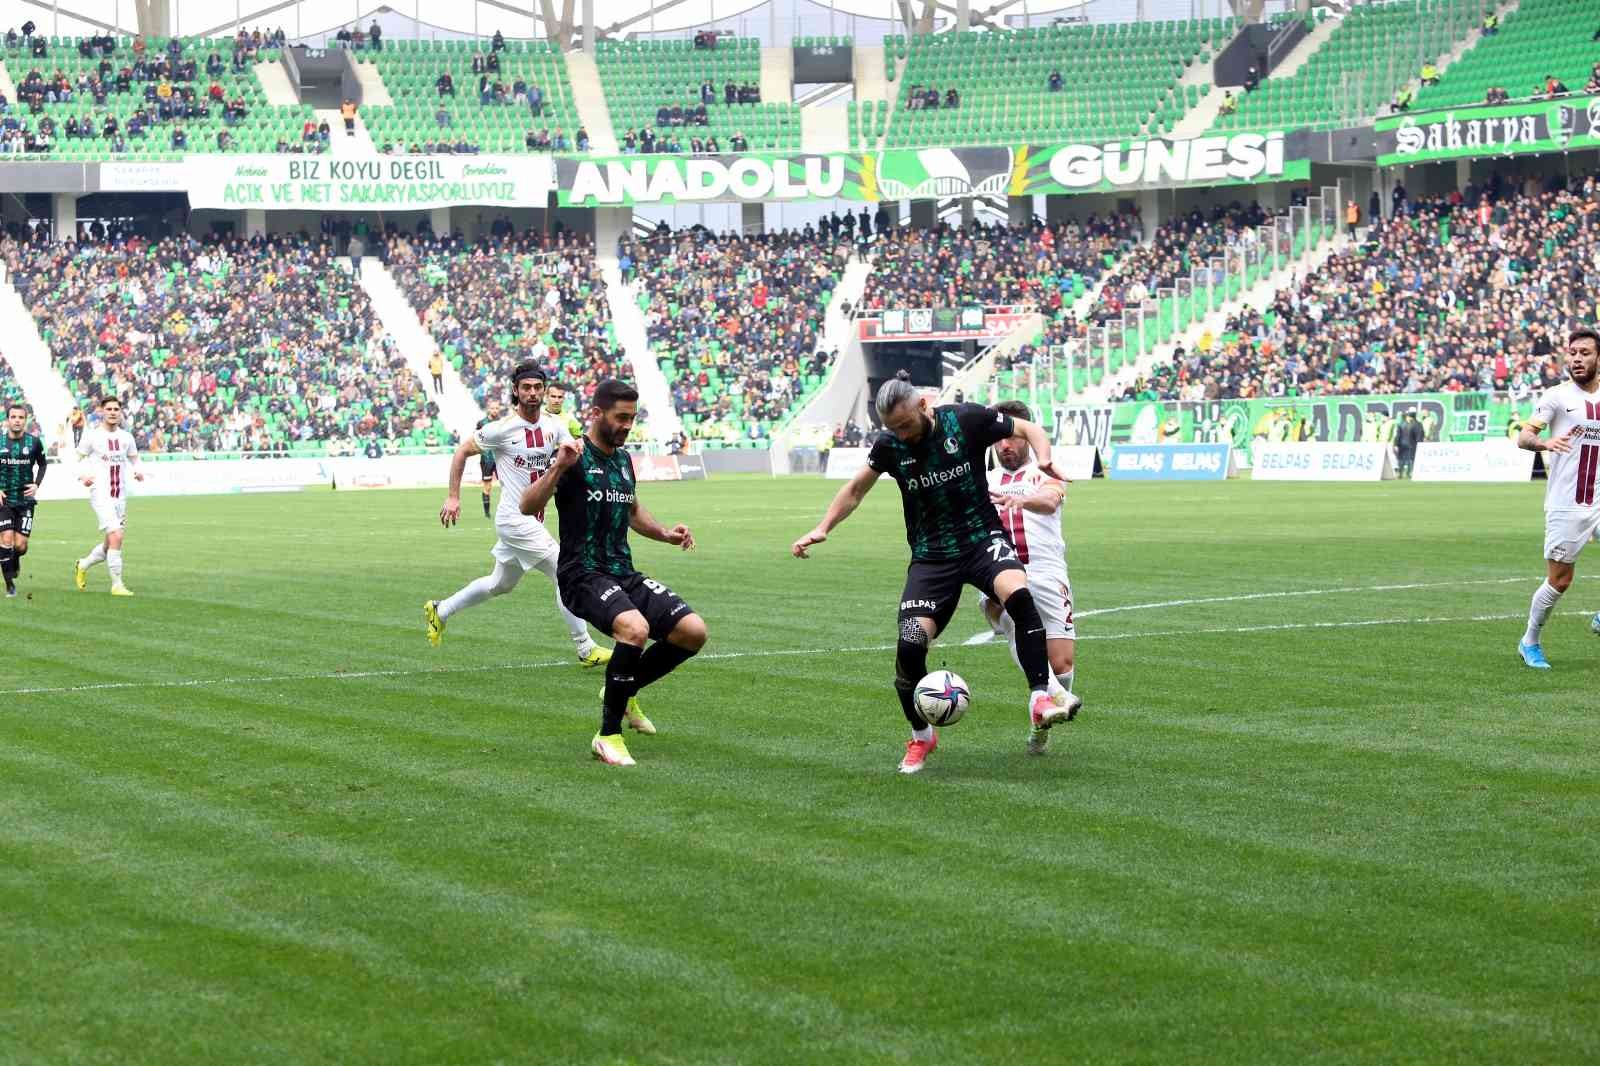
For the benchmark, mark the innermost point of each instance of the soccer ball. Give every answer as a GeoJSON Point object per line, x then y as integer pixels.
{"type": "Point", "coordinates": [942, 697]}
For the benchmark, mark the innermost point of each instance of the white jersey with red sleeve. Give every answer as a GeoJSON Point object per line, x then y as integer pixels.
{"type": "Point", "coordinates": [1037, 536]}
{"type": "Point", "coordinates": [521, 451]}
{"type": "Point", "coordinates": [110, 456]}
{"type": "Point", "coordinates": [1572, 476]}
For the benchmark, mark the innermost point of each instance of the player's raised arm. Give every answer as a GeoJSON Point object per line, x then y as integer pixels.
{"type": "Point", "coordinates": [458, 465]}
{"type": "Point", "coordinates": [1046, 499]}
{"type": "Point", "coordinates": [645, 524]}
{"type": "Point", "coordinates": [539, 492]}
{"type": "Point", "coordinates": [1038, 440]}
{"type": "Point", "coordinates": [845, 501]}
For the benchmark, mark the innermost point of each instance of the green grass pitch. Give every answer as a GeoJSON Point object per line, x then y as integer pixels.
{"type": "Point", "coordinates": [1321, 815]}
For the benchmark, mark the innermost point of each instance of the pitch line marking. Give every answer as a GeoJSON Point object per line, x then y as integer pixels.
{"type": "Point", "coordinates": [340, 675]}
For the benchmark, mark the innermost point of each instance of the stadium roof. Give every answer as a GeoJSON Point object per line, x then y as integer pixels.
{"type": "Point", "coordinates": [521, 18]}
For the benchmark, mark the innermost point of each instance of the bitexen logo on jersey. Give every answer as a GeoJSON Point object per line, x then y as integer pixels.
{"type": "Point", "coordinates": [934, 478]}
{"type": "Point", "coordinates": [609, 496]}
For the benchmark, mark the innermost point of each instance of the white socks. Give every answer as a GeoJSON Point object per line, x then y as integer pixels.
{"type": "Point", "coordinates": [1066, 680]}
{"type": "Point", "coordinates": [114, 564]}
{"type": "Point", "coordinates": [95, 557]}
{"type": "Point", "coordinates": [1544, 601]}
{"type": "Point", "coordinates": [924, 734]}
{"type": "Point", "coordinates": [501, 581]}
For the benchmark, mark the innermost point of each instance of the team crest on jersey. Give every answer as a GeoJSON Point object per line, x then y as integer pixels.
{"type": "Point", "coordinates": [951, 445]}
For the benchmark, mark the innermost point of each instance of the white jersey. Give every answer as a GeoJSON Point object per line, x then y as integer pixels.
{"type": "Point", "coordinates": [1571, 481]}
{"type": "Point", "coordinates": [521, 451]}
{"type": "Point", "coordinates": [1037, 536]}
{"type": "Point", "coordinates": [109, 456]}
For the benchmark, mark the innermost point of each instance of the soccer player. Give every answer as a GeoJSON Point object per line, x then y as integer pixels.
{"type": "Point", "coordinates": [521, 445]}
{"type": "Point", "coordinates": [1029, 502]}
{"type": "Point", "coordinates": [485, 459]}
{"type": "Point", "coordinates": [936, 455]}
{"type": "Point", "coordinates": [22, 467]}
{"type": "Point", "coordinates": [1571, 411]}
{"type": "Point", "coordinates": [555, 398]}
{"type": "Point", "coordinates": [108, 454]}
{"type": "Point", "coordinates": [593, 485]}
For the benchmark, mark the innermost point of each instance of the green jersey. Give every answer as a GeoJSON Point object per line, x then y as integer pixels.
{"type": "Point", "coordinates": [942, 483]}
{"type": "Point", "coordinates": [595, 500]}
{"type": "Point", "coordinates": [22, 462]}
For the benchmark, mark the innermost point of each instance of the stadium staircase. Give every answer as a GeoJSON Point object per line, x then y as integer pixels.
{"type": "Point", "coordinates": [456, 405]}
{"type": "Point", "coordinates": [32, 367]}
{"type": "Point", "coordinates": [1259, 296]}
{"type": "Point", "coordinates": [841, 394]}
{"type": "Point", "coordinates": [1203, 116]}
{"type": "Point", "coordinates": [628, 327]}
{"type": "Point", "coordinates": [777, 74]}
{"type": "Point", "coordinates": [374, 92]}
{"type": "Point", "coordinates": [591, 103]}
{"type": "Point", "coordinates": [7, 86]}
{"type": "Point", "coordinates": [1467, 44]}
{"type": "Point", "coordinates": [275, 84]}
{"type": "Point", "coordinates": [341, 145]}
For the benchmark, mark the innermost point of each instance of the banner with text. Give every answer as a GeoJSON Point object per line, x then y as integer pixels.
{"type": "Point", "coordinates": [932, 173]}
{"type": "Point", "coordinates": [1171, 462]}
{"type": "Point", "coordinates": [1488, 460]}
{"type": "Point", "coordinates": [1246, 424]}
{"type": "Point", "coordinates": [393, 183]}
{"type": "Point", "coordinates": [1312, 460]}
{"type": "Point", "coordinates": [1503, 129]}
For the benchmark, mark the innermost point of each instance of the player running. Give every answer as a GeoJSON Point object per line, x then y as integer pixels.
{"type": "Point", "coordinates": [22, 467]}
{"type": "Point", "coordinates": [485, 459]}
{"type": "Point", "coordinates": [1029, 502]}
{"type": "Point", "coordinates": [555, 398]}
{"type": "Point", "coordinates": [593, 485]}
{"type": "Point", "coordinates": [936, 454]}
{"type": "Point", "coordinates": [1571, 411]}
{"type": "Point", "coordinates": [108, 454]}
{"type": "Point", "coordinates": [521, 445]}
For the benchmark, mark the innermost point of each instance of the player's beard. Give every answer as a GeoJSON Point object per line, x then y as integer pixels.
{"type": "Point", "coordinates": [1585, 380]}
{"type": "Point", "coordinates": [613, 436]}
{"type": "Point", "coordinates": [1016, 462]}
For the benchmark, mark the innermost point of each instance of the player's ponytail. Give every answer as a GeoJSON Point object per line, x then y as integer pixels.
{"type": "Point", "coordinates": [894, 392]}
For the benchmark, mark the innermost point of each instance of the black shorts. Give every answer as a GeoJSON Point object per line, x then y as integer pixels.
{"type": "Point", "coordinates": [933, 587]}
{"type": "Point", "coordinates": [598, 599]}
{"type": "Point", "coordinates": [17, 519]}
{"type": "Point", "coordinates": [487, 466]}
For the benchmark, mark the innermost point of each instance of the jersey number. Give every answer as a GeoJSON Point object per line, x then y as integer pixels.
{"type": "Point", "coordinates": [654, 586]}
{"type": "Point", "coordinates": [1000, 551]}
{"type": "Point", "coordinates": [535, 437]}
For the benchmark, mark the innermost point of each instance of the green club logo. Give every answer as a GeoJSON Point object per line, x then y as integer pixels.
{"type": "Point", "coordinates": [1562, 121]}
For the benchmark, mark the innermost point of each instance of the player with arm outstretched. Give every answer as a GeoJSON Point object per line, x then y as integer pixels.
{"type": "Point", "coordinates": [593, 485]}
{"type": "Point", "coordinates": [486, 459]}
{"type": "Point", "coordinates": [521, 445]}
{"type": "Point", "coordinates": [22, 467]}
{"type": "Point", "coordinates": [1571, 412]}
{"type": "Point", "coordinates": [108, 456]}
{"type": "Point", "coordinates": [1029, 502]}
{"type": "Point", "coordinates": [935, 455]}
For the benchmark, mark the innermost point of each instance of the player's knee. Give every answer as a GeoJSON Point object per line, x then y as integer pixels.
{"type": "Point", "coordinates": [1021, 608]}
{"type": "Point", "coordinates": [1561, 580]}
{"type": "Point", "coordinates": [22, 547]}
{"type": "Point", "coordinates": [631, 628]}
{"type": "Point", "coordinates": [690, 633]}
{"type": "Point", "coordinates": [910, 654]}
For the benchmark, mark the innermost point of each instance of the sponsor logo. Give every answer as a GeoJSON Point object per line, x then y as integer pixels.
{"type": "Point", "coordinates": [934, 478]}
{"type": "Point", "coordinates": [1448, 133]}
{"type": "Point", "coordinates": [1241, 157]}
{"type": "Point", "coordinates": [608, 496]}
{"type": "Point", "coordinates": [610, 592]}
{"type": "Point", "coordinates": [918, 605]}
{"type": "Point", "coordinates": [639, 180]}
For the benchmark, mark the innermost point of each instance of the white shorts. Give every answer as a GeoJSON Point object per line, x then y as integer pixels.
{"type": "Point", "coordinates": [1052, 595]}
{"type": "Point", "coordinates": [109, 513]}
{"type": "Point", "coordinates": [1566, 532]}
{"type": "Point", "coordinates": [525, 543]}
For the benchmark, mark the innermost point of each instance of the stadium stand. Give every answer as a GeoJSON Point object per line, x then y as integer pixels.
{"type": "Point", "coordinates": [736, 324]}
{"type": "Point", "coordinates": [473, 113]}
{"type": "Point", "coordinates": [1542, 38]}
{"type": "Point", "coordinates": [655, 90]}
{"type": "Point", "coordinates": [100, 98]}
{"type": "Point", "coordinates": [10, 391]}
{"type": "Point", "coordinates": [1045, 265]}
{"type": "Point", "coordinates": [266, 346]}
{"type": "Point", "coordinates": [509, 298]}
{"type": "Point", "coordinates": [1472, 291]}
{"type": "Point", "coordinates": [1117, 80]}
{"type": "Point", "coordinates": [1376, 49]}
